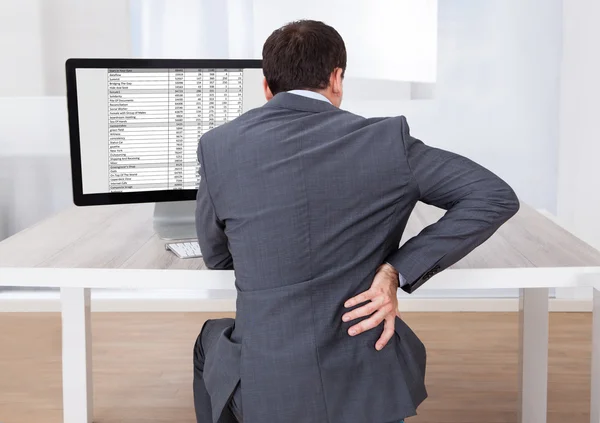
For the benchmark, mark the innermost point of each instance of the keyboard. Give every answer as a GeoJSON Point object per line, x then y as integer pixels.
{"type": "Point", "coordinates": [184, 249]}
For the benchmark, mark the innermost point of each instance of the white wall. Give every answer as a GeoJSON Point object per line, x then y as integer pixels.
{"type": "Point", "coordinates": [496, 97]}
{"type": "Point", "coordinates": [34, 126]}
{"type": "Point", "coordinates": [396, 41]}
{"type": "Point", "coordinates": [76, 28]}
{"type": "Point", "coordinates": [39, 35]}
{"type": "Point", "coordinates": [392, 40]}
{"type": "Point", "coordinates": [36, 37]}
{"type": "Point", "coordinates": [31, 189]}
{"type": "Point", "coordinates": [21, 47]}
{"type": "Point", "coordinates": [579, 167]}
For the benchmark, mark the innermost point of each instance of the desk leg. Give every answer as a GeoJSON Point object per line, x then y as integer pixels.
{"type": "Point", "coordinates": [76, 355]}
{"type": "Point", "coordinates": [595, 396]}
{"type": "Point", "coordinates": [533, 355]}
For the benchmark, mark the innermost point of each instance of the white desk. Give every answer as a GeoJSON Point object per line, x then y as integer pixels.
{"type": "Point", "coordinates": [115, 247]}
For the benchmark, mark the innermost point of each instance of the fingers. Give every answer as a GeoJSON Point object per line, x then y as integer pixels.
{"type": "Point", "coordinates": [388, 332]}
{"type": "Point", "coordinates": [365, 310]}
{"type": "Point", "coordinates": [360, 298]}
{"type": "Point", "coordinates": [371, 322]}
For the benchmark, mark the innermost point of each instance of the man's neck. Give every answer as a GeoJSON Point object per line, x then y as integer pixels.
{"type": "Point", "coordinates": [321, 95]}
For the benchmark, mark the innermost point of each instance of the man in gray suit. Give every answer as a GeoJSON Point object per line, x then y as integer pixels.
{"type": "Point", "coordinates": [308, 203]}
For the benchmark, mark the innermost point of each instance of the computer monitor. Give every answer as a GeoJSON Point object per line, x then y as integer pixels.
{"type": "Point", "coordinates": [134, 127]}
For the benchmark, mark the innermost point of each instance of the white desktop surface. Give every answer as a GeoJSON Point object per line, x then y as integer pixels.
{"type": "Point", "coordinates": [121, 237]}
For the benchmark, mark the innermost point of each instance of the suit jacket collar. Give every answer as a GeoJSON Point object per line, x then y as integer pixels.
{"type": "Point", "coordinates": [301, 103]}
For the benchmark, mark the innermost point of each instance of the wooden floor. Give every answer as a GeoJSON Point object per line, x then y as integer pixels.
{"type": "Point", "coordinates": [143, 367]}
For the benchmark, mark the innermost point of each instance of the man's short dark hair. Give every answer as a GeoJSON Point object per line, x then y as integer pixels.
{"type": "Point", "coordinates": [302, 55]}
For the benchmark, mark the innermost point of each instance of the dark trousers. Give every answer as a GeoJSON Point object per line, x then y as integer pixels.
{"type": "Point", "coordinates": [201, 397]}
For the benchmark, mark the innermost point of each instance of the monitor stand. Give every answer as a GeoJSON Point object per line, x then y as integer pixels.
{"type": "Point", "coordinates": [175, 220]}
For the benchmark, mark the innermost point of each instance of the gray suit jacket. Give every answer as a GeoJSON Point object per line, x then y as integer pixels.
{"type": "Point", "coordinates": [307, 200]}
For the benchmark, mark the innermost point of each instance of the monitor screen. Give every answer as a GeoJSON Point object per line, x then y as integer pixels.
{"type": "Point", "coordinates": [138, 126]}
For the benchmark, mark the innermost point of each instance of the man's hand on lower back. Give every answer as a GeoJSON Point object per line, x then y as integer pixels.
{"type": "Point", "coordinates": [382, 305]}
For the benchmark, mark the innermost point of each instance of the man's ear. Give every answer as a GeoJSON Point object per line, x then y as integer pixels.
{"type": "Point", "coordinates": [336, 82]}
{"type": "Point", "coordinates": [268, 93]}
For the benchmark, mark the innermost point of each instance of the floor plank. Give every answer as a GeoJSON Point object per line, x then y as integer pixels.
{"type": "Point", "coordinates": [142, 367]}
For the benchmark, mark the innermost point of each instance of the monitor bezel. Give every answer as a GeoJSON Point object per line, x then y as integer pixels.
{"type": "Point", "coordinates": [71, 65]}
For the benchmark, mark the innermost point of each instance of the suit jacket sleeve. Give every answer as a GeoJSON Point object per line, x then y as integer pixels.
{"type": "Point", "coordinates": [477, 203]}
{"type": "Point", "coordinates": [210, 229]}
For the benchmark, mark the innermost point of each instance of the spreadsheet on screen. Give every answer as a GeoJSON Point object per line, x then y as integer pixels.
{"type": "Point", "coordinates": [139, 127]}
